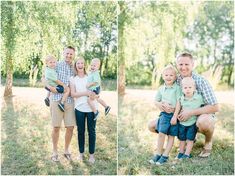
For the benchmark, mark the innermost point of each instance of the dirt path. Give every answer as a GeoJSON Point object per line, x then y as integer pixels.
{"type": "Point", "coordinates": [225, 97]}
{"type": "Point", "coordinates": [37, 95]}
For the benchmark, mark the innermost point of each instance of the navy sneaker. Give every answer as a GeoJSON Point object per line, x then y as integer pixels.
{"type": "Point", "coordinates": [179, 156]}
{"type": "Point", "coordinates": [96, 115]}
{"type": "Point", "coordinates": [47, 102]}
{"type": "Point", "coordinates": [162, 160]}
{"type": "Point", "coordinates": [61, 106]}
{"type": "Point", "coordinates": [107, 109]}
{"type": "Point", "coordinates": [155, 159]}
{"type": "Point", "coordinates": [186, 156]}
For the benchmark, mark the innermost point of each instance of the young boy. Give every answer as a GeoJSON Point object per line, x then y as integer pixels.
{"type": "Point", "coordinates": [94, 82]}
{"type": "Point", "coordinates": [54, 85]}
{"type": "Point", "coordinates": [187, 129]}
{"type": "Point", "coordinates": [169, 93]}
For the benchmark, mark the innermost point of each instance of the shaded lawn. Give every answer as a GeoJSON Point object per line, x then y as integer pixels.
{"type": "Point", "coordinates": [136, 144]}
{"type": "Point", "coordinates": [26, 142]}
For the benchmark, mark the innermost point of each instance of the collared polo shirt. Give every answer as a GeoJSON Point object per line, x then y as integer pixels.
{"type": "Point", "coordinates": [94, 77]}
{"type": "Point", "coordinates": [51, 76]}
{"type": "Point", "coordinates": [196, 101]}
{"type": "Point", "coordinates": [203, 87]}
{"type": "Point", "coordinates": [64, 72]}
{"type": "Point", "coordinates": [168, 94]}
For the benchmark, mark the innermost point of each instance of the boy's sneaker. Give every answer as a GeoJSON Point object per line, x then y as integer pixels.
{"type": "Point", "coordinates": [107, 109]}
{"type": "Point", "coordinates": [96, 115]}
{"type": "Point", "coordinates": [61, 106]}
{"type": "Point", "coordinates": [179, 156]}
{"type": "Point", "coordinates": [155, 159]}
{"type": "Point", "coordinates": [162, 160]}
{"type": "Point", "coordinates": [186, 156]}
{"type": "Point", "coordinates": [47, 101]}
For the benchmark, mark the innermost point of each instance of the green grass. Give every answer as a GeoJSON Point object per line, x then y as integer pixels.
{"type": "Point", "coordinates": [26, 143]}
{"type": "Point", "coordinates": [107, 84]}
{"type": "Point", "coordinates": [136, 144]}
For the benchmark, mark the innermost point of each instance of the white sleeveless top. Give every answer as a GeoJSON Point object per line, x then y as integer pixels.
{"type": "Point", "coordinates": [81, 103]}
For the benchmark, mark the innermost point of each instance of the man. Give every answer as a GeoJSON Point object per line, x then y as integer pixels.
{"type": "Point", "coordinates": [64, 70]}
{"type": "Point", "coordinates": [206, 118]}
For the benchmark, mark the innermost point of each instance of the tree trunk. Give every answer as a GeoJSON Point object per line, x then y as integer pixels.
{"type": "Point", "coordinates": [9, 34]}
{"type": "Point", "coordinates": [121, 59]}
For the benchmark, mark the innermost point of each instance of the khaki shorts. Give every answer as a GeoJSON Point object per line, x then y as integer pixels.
{"type": "Point", "coordinates": [57, 115]}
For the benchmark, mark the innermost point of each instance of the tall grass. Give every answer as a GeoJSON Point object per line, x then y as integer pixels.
{"type": "Point", "coordinates": [136, 144]}
{"type": "Point", "coordinates": [27, 147]}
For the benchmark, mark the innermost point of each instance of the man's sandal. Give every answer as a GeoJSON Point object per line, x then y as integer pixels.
{"type": "Point", "coordinates": [205, 153]}
{"type": "Point", "coordinates": [55, 158]}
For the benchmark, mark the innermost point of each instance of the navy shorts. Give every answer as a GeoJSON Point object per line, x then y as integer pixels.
{"type": "Point", "coordinates": [59, 88]}
{"type": "Point", "coordinates": [164, 125]}
{"type": "Point", "coordinates": [97, 90]}
{"type": "Point", "coordinates": [187, 132]}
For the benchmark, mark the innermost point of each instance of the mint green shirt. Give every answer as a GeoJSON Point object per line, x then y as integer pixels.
{"type": "Point", "coordinates": [51, 76]}
{"type": "Point", "coordinates": [192, 103]}
{"type": "Point", "coordinates": [94, 77]}
{"type": "Point", "coordinates": [168, 94]}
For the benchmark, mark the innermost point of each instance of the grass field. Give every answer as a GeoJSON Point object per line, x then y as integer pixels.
{"type": "Point", "coordinates": [26, 138]}
{"type": "Point", "coordinates": [136, 144]}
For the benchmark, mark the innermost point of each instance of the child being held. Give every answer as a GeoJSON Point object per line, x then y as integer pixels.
{"type": "Point", "coordinates": [93, 84]}
{"type": "Point", "coordinates": [187, 129]}
{"type": "Point", "coordinates": [168, 94]}
{"type": "Point", "coordinates": [54, 85]}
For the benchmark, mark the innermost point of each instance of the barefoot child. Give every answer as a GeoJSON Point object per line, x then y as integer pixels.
{"type": "Point", "coordinates": [54, 85]}
{"type": "Point", "coordinates": [94, 82]}
{"type": "Point", "coordinates": [187, 129]}
{"type": "Point", "coordinates": [167, 94]}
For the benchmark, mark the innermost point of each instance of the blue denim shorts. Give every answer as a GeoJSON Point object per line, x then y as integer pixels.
{"type": "Point", "coordinates": [187, 132]}
{"type": "Point", "coordinates": [59, 88]}
{"type": "Point", "coordinates": [164, 126]}
{"type": "Point", "coordinates": [97, 90]}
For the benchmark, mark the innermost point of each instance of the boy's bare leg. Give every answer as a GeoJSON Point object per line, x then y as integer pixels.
{"type": "Point", "coordinates": [170, 143]}
{"type": "Point", "coordinates": [102, 102]}
{"type": "Point", "coordinates": [152, 126]}
{"type": "Point", "coordinates": [160, 143]}
{"type": "Point", "coordinates": [182, 146]}
{"type": "Point", "coordinates": [48, 94]}
{"type": "Point", "coordinates": [65, 96]}
{"type": "Point", "coordinates": [188, 147]}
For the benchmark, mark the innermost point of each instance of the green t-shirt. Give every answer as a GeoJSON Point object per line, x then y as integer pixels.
{"type": "Point", "coordinates": [193, 103]}
{"type": "Point", "coordinates": [169, 94]}
{"type": "Point", "coordinates": [51, 76]}
{"type": "Point", "coordinates": [94, 77]}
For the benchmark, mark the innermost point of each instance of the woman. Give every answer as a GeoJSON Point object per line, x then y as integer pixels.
{"type": "Point", "coordinates": [83, 111]}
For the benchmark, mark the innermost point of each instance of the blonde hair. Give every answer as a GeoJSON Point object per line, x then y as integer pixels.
{"type": "Point", "coordinates": [169, 67]}
{"type": "Point", "coordinates": [75, 68]}
{"type": "Point", "coordinates": [188, 80]}
{"type": "Point", "coordinates": [96, 60]}
{"type": "Point", "coordinates": [49, 57]}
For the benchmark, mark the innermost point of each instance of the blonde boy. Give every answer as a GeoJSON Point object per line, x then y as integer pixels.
{"type": "Point", "coordinates": [93, 84]}
{"type": "Point", "coordinates": [54, 85]}
{"type": "Point", "coordinates": [187, 129]}
{"type": "Point", "coordinates": [167, 124]}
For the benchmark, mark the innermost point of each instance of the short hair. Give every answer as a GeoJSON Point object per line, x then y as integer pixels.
{"type": "Point", "coordinates": [49, 57]}
{"type": "Point", "coordinates": [97, 60]}
{"type": "Point", "coordinates": [185, 54]}
{"type": "Point", "coordinates": [70, 47]}
{"type": "Point", "coordinates": [171, 67]}
{"type": "Point", "coordinates": [188, 79]}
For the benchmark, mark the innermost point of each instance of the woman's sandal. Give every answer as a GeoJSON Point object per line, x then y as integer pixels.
{"type": "Point", "coordinates": [205, 153]}
{"type": "Point", "coordinates": [55, 158]}
{"type": "Point", "coordinates": [68, 156]}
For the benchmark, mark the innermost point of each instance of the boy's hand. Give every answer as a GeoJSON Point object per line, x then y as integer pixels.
{"type": "Point", "coordinates": [173, 121]}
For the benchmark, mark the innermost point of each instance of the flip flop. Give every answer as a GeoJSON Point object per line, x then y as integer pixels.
{"type": "Point", "coordinates": [55, 158]}
{"type": "Point", "coordinates": [68, 156]}
{"type": "Point", "coordinates": [205, 153]}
